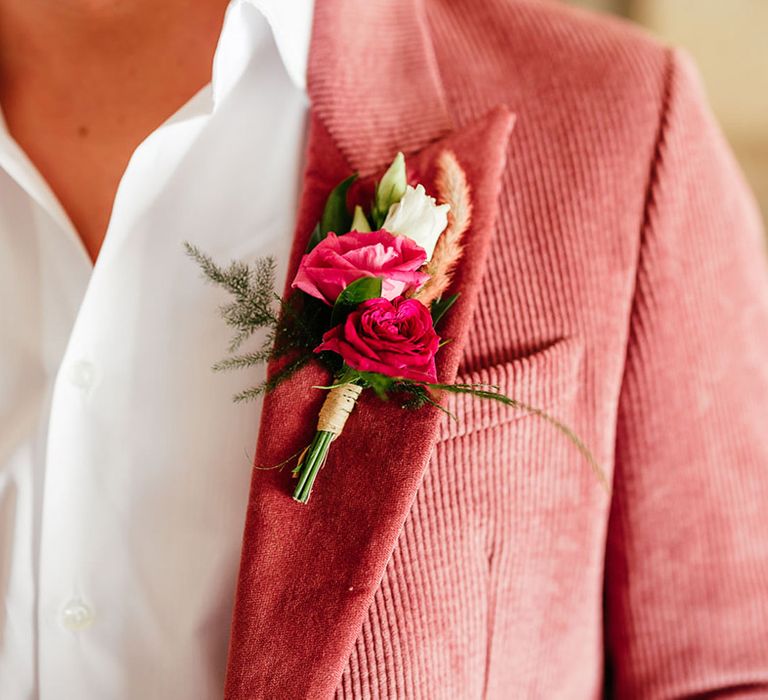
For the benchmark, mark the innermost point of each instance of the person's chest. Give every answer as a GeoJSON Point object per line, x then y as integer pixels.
{"type": "Point", "coordinates": [80, 90]}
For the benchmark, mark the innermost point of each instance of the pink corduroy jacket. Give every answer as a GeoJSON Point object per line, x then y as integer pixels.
{"type": "Point", "coordinates": [614, 276]}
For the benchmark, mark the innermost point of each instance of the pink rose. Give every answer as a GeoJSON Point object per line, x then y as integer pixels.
{"type": "Point", "coordinates": [337, 261]}
{"type": "Point", "coordinates": [394, 337]}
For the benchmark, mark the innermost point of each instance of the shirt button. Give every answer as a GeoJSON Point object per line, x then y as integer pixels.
{"type": "Point", "coordinates": [81, 374]}
{"type": "Point", "coordinates": [76, 615]}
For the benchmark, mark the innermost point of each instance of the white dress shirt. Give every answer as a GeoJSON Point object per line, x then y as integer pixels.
{"type": "Point", "coordinates": [124, 464]}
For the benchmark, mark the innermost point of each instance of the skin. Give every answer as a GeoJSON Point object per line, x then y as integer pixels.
{"type": "Point", "coordinates": [83, 82]}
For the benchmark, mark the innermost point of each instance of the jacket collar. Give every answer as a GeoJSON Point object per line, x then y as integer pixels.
{"type": "Point", "coordinates": [308, 573]}
{"type": "Point", "coordinates": [374, 81]}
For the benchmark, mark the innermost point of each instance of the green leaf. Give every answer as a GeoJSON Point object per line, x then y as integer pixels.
{"type": "Point", "coordinates": [353, 294]}
{"type": "Point", "coordinates": [380, 383]}
{"type": "Point", "coordinates": [441, 306]}
{"type": "Point", "coordinates": [315, 238]}
{"type": "Point", "coordinates": [336, 216]}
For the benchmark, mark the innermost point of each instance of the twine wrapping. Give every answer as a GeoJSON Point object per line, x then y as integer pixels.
{"type": "Point", "coordinates": [337, 407]}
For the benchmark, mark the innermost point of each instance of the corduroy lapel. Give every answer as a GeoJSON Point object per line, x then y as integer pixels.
{"type": "Point", "coordinates": [308, 573]}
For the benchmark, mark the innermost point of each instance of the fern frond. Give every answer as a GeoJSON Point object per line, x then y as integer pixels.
{"type": "Point", "coordinates": [243, 361]}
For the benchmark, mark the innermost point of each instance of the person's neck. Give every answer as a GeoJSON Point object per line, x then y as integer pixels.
{"type": "Point", "coordinates": [83, 82]}
{"type": "Point", "coordinates": [50, 38]}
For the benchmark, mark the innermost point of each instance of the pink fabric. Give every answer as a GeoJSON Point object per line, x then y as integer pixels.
{"type": "Point", "coordinates": [616, 279]}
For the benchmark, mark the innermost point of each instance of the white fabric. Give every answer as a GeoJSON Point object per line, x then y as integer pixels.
{"type": "Point", "coordinates": [124, 464]}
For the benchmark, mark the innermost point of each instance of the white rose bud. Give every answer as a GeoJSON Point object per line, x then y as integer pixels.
{"type": "Point", "coordinates": [391, 187]}
{"type": "Point", "coordinates": [419, 217]}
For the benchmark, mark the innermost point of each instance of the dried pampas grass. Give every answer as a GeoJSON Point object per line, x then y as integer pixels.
{"type": "Point", "coordinates": [452, 188]}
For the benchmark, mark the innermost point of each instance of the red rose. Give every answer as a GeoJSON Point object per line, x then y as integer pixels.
{"type": "Point", "coordinates": [395, 338]}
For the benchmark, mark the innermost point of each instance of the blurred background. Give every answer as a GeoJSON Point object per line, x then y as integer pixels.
{"type": "Point", "coordinates": [729, 40]}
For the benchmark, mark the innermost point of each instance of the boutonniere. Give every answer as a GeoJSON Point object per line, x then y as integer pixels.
{"type": "Point", "coordinates": [368, 299]}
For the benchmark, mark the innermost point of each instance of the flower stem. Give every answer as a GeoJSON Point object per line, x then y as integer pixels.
{"type": "Point", "coordinates": [311, 463]}
{"type": "Point", "coordinates": [330, 422]}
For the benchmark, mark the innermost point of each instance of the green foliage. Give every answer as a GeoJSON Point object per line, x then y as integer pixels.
{"type": "Point", "coordinates": [303, 321]}
{"type": "Point", "coordinates": [381, 384]}
{"type": "Point", "coordinates": [360, 221]}
{"type": "Point", "coordinates": [336, 216]}
{"type": "Point", "coordinates": [272, 381]}
{"type": "Point", "coordinates": [296, 326]}
{"type": "Point", "coordinates": [253, 291]}
{"type": "Point", "coordinates": [416, 395]}
{"type": "Point", "coordinates": [440, 307]}
{"type": "Point", "coordinates": [256, 306]}
{"type": "Point", "coordinates": [353, 294]}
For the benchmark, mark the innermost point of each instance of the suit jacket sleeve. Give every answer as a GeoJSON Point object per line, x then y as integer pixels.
{"type": "Point", "coordinates": [687, 550]}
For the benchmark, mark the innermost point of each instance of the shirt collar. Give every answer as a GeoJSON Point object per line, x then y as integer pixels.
{"type": "Point", "coordinates": [253, 26]}
{"type": "Point", "coordinates": [247, 26]}
{"type": "Point", "coordinates": [291, 25]}
{"type": "Point", "coordinates": [288, 21]}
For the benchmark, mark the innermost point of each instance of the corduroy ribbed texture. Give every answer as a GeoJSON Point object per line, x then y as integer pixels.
{"type": "Point", "coordinates": [625, 231]}
{"type": "Point", "coordinates": [625, 292]}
